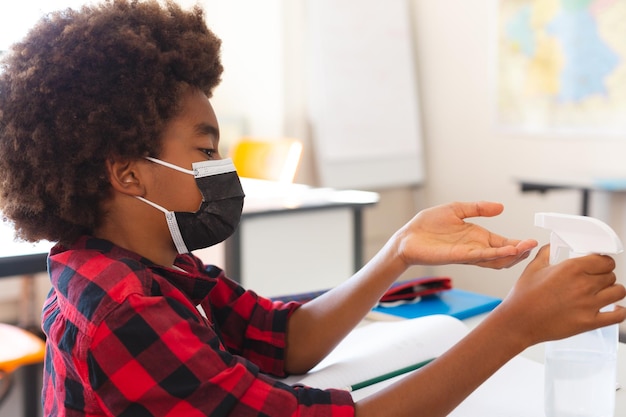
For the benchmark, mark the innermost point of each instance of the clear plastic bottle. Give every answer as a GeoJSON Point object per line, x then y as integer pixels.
{"type": "Point", "coordinates": [580, 371]}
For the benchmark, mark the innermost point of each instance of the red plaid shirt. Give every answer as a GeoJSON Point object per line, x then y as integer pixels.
{"type": "Point", "coordinates": [125, 339]}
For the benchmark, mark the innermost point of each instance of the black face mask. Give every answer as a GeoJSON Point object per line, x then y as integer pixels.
{"type": "Point", "coordinates": [220, 211]}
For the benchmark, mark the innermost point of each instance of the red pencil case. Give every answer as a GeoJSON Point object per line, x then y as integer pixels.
{"type": "Point", "coordinates": [414, 288]}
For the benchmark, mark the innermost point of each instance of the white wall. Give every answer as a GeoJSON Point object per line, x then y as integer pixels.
{"type": "Point", "coordinates": [250, 99]}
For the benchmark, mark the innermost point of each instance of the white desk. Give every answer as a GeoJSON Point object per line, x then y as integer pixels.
{"type": "Point", "coordinates": [584, 184]}
{"type": "Point", "coordinates": [295, 238]}
{"type": "Point", "coordinates": [292, 238]}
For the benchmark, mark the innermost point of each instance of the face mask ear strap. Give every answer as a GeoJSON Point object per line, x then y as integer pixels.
{"type": "Point", "coordinates": [172, 224]}
{"type": "Point", "coordinates": [155, 205]}
{"type": "Point", "coordinates": [167, 164]}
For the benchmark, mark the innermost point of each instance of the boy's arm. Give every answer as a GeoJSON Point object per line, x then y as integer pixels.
{"type": "Point", "coordinates": [435, 236]}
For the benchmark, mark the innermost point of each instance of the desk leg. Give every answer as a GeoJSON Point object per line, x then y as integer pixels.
{"type": "Point", "coordinates": [358, 238]}
{"type": "Point", "coordinates": [31, 395]}
{"type": "Point", "coordinates": [232, 256]}
{"type": "Point", "coordinates": [32, 374]}
{"type": "Point", "coordinates": [585, 202]}
{"type": "Point", "coordinates": [544, 188]}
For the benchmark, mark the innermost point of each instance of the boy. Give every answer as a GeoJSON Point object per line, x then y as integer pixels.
{"type": "Point", "coordinates": [109, 146]}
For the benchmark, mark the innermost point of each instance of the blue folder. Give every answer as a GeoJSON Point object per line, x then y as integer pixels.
{"type": "Point", "coordinates": [457, 303]}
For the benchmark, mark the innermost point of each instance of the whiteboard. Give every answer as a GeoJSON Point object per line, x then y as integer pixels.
{"type": "Point", "coordinates": [362, 93]}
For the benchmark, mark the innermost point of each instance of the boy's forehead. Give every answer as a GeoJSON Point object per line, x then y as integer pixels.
{"type": "Point", "coordinates": [195, 105]}
{"type": "Point", "coordinates": [195, 119]}
{"type": "Point", "coordinates": [195, 110]}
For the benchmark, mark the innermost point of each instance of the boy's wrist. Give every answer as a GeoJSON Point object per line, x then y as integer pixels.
{"type": "Point", "coordinates": [508, 326]}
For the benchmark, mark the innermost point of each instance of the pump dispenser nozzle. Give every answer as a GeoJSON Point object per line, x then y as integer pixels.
{"type": "Point", "coordinates": [580, 235]}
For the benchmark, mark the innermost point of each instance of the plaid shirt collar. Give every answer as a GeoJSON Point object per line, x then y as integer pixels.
{"type": "Point", "coordinates": [188, 278]}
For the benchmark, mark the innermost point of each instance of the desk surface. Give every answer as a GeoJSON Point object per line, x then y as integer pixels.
{"type": "Point", "coordinates": [592, 183]}
{"type": "Point", "coordinates": [266, 197]}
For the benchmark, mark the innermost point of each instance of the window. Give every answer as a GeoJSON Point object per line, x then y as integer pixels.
{"type": "Point", "coordinates": [20, 16]}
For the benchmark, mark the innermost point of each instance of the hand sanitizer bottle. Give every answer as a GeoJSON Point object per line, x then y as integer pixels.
{"type": "Point", "coordinates": [580, 371]}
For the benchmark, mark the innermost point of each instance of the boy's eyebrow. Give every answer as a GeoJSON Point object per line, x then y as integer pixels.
{"type": "Point", "coordinates": [207, 129]}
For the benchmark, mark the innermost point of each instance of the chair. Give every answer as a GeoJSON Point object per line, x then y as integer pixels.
{"type": "Point", "coordinates": [18, 348]}
{"type": "Point", "coordinates": [267, 159]}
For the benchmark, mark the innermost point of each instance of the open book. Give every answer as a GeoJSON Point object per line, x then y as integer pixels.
{"type": "Point", "coordinates": [378, 348]}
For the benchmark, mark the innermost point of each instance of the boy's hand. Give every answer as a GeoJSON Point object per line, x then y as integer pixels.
{"type": "Point", "coordinates": [557, 301]}
{"type": "Point", "coordinates": [440, 235]}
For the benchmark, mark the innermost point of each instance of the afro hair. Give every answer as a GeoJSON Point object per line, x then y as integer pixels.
{"type": "Point", "coordinates": [84, 86]}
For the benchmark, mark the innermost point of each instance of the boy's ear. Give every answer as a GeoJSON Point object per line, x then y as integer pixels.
{"type": "Point", "coordinates": [124, 175]}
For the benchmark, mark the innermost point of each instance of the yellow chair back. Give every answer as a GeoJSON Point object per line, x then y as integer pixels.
{"type": "Point", "coordinates": [19, 347]}
{"type": "Point", "coordinates": [273, 160]}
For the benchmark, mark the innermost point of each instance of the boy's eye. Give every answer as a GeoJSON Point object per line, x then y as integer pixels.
{"type": "Point", "coordinates": [209, 152]}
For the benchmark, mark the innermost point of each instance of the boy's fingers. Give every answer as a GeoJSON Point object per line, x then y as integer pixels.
{"type": "Point", "coordinates": [542, 259]}
{"type": "Point", "coordinates": [617, 315]}
{"type": "Point", "coordinates": [612, 294]}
